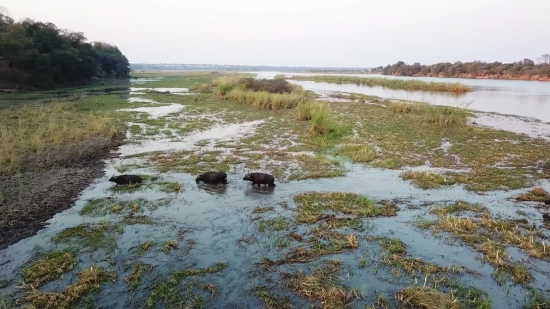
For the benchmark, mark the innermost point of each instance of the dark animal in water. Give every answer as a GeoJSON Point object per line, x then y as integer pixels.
{"type": "Point", "coordinates": [125, 179]}
{"type": "Point", "coordinates": [212, 178]}
{"type": "Point", "coordinates": [260, 179]}
{"type": "Point", "coordinates": [547, 201]}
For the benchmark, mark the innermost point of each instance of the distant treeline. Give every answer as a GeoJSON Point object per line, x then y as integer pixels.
{"type": "Point", "coordinates": [525, 69]}
{"type": "Point", "coordinates": [37, 54]}
{"type": "Point", "coordinates": [240, 68]}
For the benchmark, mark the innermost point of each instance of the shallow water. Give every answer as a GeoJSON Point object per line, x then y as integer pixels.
{"type": "Point", "coordinates": [514, 97]}
{"type": "Point", "coordinates": [216, 217]}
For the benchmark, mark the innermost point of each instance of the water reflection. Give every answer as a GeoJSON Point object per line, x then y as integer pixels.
{"type": "Point", "coordinates": [213, 189]}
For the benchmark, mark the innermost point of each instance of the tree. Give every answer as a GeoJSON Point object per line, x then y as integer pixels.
{"type": "Point", "coordinates": [544, 59]}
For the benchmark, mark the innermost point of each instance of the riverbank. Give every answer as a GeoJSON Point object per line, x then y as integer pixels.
{"type": "Point", "coordinates": [49, 153]}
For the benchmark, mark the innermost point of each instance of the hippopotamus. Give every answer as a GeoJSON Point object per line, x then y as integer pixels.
{"type": "Point", "coordinates": [125, 179]}
{"type": "Point", "coordinates": [260, 179]}
{"type": "Point", "coordinates": [212, 178]}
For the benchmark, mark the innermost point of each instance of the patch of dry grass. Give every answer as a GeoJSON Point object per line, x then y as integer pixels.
{"type": "Point", "coordinates": [169, 245]}
{"type": "Point", "coordinates": [535, 195]}
{"type": "Point", "coordinates": [89, 281]}
{"type": "Point", "coordinates": [138, 270]}
{"type": "Point", "coordinates": [36, 134]}
{"type": "Point", "coordinates": [320, 286]}
{"type": "Point", "coordinates": [48, 267]}
{"type": "Point", "coordinates": [426, 298]}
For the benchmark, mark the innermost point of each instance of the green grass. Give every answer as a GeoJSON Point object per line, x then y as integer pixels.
{"type": "Point", "coordinates": [311, 206]}
{"type": "Point", "coordinates": [169, 187]}
{"type": "Point", "coordinates": [409, 84]}
{"type": "Point", "coordinates": [357, 152]}
{"type": "Point", "coordinates": [442, 116]}
{"type": "Point", "coordinates": [89, 237]}
{"type": "Point", "coordinates": [427, 180]}
{"type": "Point", "coordinates": [458, 207]}
{"type": "Point", "coordinates": [144, 247]}
{"type": "Point", "coordinates": [266, 100]}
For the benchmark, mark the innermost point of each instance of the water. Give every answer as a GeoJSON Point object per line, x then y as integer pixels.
{"type": "Point", "coordinates": [514, 97]}
{"type": "Point", "coordinates": [216, 218]}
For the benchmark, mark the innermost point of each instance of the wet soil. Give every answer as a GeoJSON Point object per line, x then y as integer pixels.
{"type": "Point", "coordinates": [33, 196]}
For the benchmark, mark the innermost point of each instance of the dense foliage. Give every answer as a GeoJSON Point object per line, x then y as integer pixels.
{"type": "Point", "coordinates": [524, 69]}
{"type": "Point", "coordinates": [40, 55]}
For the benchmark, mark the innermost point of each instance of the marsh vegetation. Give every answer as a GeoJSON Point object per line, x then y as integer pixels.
{"type": "Point", "coordinates": [349, 224]}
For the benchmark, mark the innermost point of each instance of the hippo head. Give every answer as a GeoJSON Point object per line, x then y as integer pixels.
{"type": "Point", "coordinates": [247, 177]}
{"type": "Point", "coordinates": [199, 178]}
{"type": "Point", "coordinates": [113, 178]}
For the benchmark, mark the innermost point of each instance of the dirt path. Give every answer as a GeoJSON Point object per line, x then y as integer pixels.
{"type": "Point", "coordinates": [29, 199]}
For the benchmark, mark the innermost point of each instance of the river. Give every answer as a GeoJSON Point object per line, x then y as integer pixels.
{"type": "Point", "coordinates": [511, 97]}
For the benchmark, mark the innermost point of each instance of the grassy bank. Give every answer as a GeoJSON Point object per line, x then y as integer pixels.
{"type": "Point", "coordinates": [35, 135]}
{"type": "Point", "coordinates": [409, 84]}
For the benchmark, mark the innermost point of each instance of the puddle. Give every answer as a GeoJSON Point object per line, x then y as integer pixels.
{"type": "Point", "coordinates": [156, 111]}
{"type": "Point", "coordinates": [233, 131]}
{"type": "Point", "coordinates": [521, 125]}
{"type": "Point", "coordinates": [141, 100]}
{"type": "Point", "coordinates": [171, 90]}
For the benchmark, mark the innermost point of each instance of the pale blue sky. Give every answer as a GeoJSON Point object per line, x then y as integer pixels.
{"type": "Point", "coordinates": [304, 32]}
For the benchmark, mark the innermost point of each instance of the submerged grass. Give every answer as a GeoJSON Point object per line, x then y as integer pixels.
{"type": "Point", "coordinates": [490, 237]}
{"type": "Point", "coordinates": [138, 270]}
{"type": "Point", "coordinates": [441, 116]}
{"type": "Point", "coordinates": [409, 84]}
{"type": "Point", "coordinates": [167, 292]}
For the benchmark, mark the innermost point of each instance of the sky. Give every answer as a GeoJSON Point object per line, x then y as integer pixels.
{"type": "Point", "coordinates": [345, 33]}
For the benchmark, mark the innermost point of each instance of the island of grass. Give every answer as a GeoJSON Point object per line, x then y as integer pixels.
{"type": "Point", "coordinates": [409, 84]}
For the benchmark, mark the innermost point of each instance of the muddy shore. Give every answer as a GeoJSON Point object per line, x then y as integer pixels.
{"type": "Point", "coordinates": [33, 196]}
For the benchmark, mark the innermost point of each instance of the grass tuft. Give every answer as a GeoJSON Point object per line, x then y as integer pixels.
{"type": "Point", "coordinates": [311, 205]}
{"type": "Point", "coordinates": [48, 267]}
{"type": "Point", "coordinates": [535, 195]}
{"type": "Point", "coordinates": [89, 281]}
{"type": "Point", "coordinates": [426, 298]}
{"type": "Point", "coordinates": [427, 180]}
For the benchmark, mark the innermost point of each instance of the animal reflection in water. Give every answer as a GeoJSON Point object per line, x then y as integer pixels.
{"type": "Point", "coordinates": [213, 189]}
